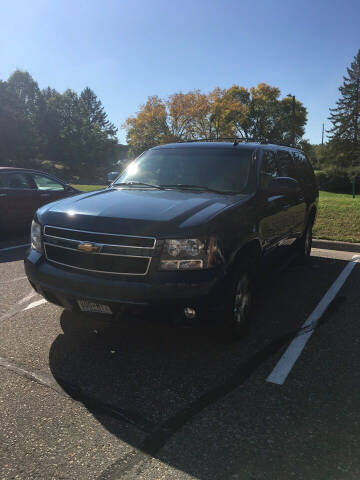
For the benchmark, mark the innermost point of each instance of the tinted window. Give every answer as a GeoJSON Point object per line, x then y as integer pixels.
{"type": "Point", "coordinates": [304, 170]}
{"type": "Point", "coordinates": [46, 183]}
{"type": "Point", "coordinates": [285, 164]}
{"type": "Point", "coordinates": [221, 169]}
{"type": "Point", "coordinates": [14, 180]}
{"type": "Point", "coordinates": [269, 168]}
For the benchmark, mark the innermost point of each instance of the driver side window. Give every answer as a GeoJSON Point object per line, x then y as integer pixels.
{"type": "Point", "coordinates": [269, 169]}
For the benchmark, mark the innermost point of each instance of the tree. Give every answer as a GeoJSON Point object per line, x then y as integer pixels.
{"type": "Point", "coordinates": [95, 113]}
{"type": "Point", "coordinates": [51, 130]}
{"type": "Point", "coordinates": [257, 114]}
{"type": "Point", "coordinates": [345, 117]}
{"type": "Point", "coordinates": [149, 127]}
{"type": "Point", "coordinates": [23, 101]}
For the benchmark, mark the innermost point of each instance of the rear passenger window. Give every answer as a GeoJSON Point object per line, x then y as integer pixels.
{"type": "Point", "coordinates": [269, 169]}
{"type": "Point", "coordinates": [14, 180]}
{"type": "Point", "coordinates": [285, 164]}
{"type": "Point", "coordinates": [304, 170]}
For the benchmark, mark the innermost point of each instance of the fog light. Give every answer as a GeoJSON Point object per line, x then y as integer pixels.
{"type": "Point", "coordinates": [189, 312]}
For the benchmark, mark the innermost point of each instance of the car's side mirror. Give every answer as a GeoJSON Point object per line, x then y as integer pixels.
{"type": "Point", "coordinates": [282, 186]}
{"type": "Point", "coordinates": [69, 188]}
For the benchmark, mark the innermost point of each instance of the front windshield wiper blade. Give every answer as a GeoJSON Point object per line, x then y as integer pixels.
{"type": "Point", "coordinates": [137, 184]}
{"type": "Point", "coordinates": [186, 186]}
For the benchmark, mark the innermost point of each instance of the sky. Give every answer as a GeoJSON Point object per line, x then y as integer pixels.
{"type": "Point", "coordinates": [127, 50]}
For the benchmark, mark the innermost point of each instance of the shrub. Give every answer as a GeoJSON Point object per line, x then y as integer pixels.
{"type": "Point", "coordinates": [335, 180]}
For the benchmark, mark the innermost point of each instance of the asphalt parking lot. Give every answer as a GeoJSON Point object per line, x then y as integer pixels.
{"type": "Point", "coordinates": [84, 398]}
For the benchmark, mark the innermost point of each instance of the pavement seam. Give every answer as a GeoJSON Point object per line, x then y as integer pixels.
{"type": "Point", "coordinates": [76, 395]}
{"type": "Point", "coordinates": [41, 378]}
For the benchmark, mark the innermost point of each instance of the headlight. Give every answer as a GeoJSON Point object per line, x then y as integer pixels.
{"type": "Point", "coordinates": [187, 254]}
{"type": "Point", "coordinates": [36, 243]}
{"type": "Point", "coordinates": [190, 247]}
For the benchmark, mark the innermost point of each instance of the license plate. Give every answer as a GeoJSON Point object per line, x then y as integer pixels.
{"type": "Point", "coordinates": [93, 307]}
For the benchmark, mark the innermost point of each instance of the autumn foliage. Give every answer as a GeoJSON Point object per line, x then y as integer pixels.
{"type": "Point", "coordinates": [257, 113]}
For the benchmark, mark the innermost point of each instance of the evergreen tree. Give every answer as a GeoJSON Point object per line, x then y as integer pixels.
{"type": "Point", "coordinates": [345, 117]}
{"type": "Point", "coordinates": [95, 113]}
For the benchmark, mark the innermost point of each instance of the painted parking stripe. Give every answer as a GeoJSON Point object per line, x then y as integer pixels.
{"type": "Point", "coordinates": [28, 297]}
{"type": "Point", "coordinates": [292, 353]}
{"type": "Point", "coordinates": [14, 280]}
{"type": "Point", "coordinates": [13, 248]}
{"type": "Point", "coordinates": [35, 304]}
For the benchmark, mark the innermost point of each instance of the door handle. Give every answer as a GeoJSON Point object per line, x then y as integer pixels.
{"type": "Point", "coordinates": [3, 194]}
{"type": "Point", "coordinates": [44, 194]}
{"type": "Point", "coordinates": [286, 207]}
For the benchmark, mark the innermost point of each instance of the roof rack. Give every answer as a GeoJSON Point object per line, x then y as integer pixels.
{"type": "Point", "coordinates": [235, 140]}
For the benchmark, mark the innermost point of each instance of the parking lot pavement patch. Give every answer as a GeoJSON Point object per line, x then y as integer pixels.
{"type": "Point", "coordinates": [289, 357]}
{"type": "Point", "coordinates": [44, 435]}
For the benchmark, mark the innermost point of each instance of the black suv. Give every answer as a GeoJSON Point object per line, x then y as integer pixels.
{"type": "Point", "coordinates": [189, 225]}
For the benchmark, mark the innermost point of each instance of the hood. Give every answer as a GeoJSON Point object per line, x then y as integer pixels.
{"type": "Point", "coordinates": [136, 211]}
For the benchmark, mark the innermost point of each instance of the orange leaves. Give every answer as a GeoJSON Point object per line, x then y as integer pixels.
{"type": "Point", "coordinates": [257, 112]}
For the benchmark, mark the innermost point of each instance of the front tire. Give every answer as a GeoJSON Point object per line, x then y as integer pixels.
{"type": "Point", "coordinates": [305, 244]}
{"type": "Point", "coordinates": [239, 303]}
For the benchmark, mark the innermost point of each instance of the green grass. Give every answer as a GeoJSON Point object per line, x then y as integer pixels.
{"type": "Point", "coordinates": [88, 188]}
{"type": "Point", "coordinates": [338, 217]}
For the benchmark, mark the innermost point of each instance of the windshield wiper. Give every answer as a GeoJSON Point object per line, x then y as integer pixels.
{"type": "Point", "coordinates": [186, 186]}
{"type": "Point", "coordinates": [137, 184]}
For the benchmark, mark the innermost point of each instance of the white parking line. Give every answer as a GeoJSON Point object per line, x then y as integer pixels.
{"type": "Point", "coordinates": [35, 304]}
{"type": "Point", "coordinates": [30, 295]}
{"type": "Point", "coordinates": [14, 280]}
{"type": "Point", "coordinates": [292, 353]}
{"type": "Point", "coordinates": [13, 248]}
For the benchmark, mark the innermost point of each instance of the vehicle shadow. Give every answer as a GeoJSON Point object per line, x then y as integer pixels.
{"type": "Point", "coordinates": [158, 375]}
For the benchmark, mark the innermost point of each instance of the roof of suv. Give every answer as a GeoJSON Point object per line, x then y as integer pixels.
{"type": "Point", "coordinates": [230, 145]}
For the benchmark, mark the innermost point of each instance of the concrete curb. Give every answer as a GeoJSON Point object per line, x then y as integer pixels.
{"type": "Point", "coordinates": [334, 245]}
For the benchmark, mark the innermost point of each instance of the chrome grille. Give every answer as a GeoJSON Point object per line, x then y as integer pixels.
{"type": "Point", "coordinates": [98, 252]}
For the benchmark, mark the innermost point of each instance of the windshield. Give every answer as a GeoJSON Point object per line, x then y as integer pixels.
{"type": "Point", "coordinates": [219, 169]}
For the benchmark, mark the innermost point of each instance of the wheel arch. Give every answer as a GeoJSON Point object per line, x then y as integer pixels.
{"type": "Point", "coordinates": [249, 254]}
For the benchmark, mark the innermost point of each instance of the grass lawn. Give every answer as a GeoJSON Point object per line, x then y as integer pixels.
{"type": "Point", "coordinates": [338, 216]}
{"type": "Point", "coordinates": [89, 188]}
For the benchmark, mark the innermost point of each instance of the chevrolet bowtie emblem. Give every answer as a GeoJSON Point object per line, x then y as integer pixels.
{"type": "Point", "coordinates": [89, 247]}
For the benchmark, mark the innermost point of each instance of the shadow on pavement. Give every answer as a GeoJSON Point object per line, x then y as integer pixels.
{"type": "Point", "coordinates": [158, 376]}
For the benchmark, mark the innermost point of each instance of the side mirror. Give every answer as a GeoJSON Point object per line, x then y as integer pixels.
{"type": "Point", "coordinates": [282, 186]}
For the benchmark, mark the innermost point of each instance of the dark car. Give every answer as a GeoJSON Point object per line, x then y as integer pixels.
{"type": "Point", "coordinates": [189, 225]}
{"type": "Point", "coordinates": [22, 192]}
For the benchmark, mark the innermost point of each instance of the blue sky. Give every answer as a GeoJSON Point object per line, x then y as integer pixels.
{"type": "Point", "coordinates": [128, 50]}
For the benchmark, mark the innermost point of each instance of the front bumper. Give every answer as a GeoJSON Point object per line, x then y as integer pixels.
{"type": "Point", "coordinates": [64, 286]}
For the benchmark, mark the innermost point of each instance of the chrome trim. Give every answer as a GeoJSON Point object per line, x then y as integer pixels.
{"type": "Point", "coordinates": [97, 243]}
{"type": "Point", "coordinates": [95, 253]}
{"type": "Point", "coordinates": [98, 271]}
{"type": "Point", "coordinates": [102, 233]}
